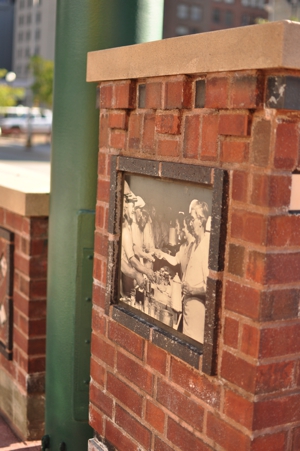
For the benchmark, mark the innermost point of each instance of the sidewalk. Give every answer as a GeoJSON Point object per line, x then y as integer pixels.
{"type": "Point", "coordinates": [10, 442]}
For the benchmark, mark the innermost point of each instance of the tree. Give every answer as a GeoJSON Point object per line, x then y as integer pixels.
{"type": "Point", "coordinates": [42, 87]}
{"type": "Point", "coordinates": [9, 95]}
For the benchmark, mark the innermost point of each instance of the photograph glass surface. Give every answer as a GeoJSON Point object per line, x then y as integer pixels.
{"type": "Point", "coordinates": [164, 251]}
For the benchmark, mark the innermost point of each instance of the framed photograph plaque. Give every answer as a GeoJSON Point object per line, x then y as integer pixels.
{"type": "Point", "coordinates": [6, 288]}
{"type": "Point", "coordinates": [171, 219]}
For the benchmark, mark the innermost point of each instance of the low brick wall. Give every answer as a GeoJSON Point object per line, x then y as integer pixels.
{"type": "Point", "coordinates": [142, 397]}
{"type": "Point", "coordinates": [22, 375]}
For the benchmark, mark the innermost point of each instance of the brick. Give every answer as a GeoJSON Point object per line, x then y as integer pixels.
{"type": "Point", "coordinates": [244, 92]}
{"type": "Point", "coordinates": [97, 372]}
{"type": "Point", "coordinates": [274, 377]}
{"type": "Point", "coordinates": [155, 416]}
{"type": "Point", "coordinates": [249, 226]}
{"type": "Point", "coordinates": [36, 346]}
{"type": "Point", "coordinates": [180, 405]}
{"type": "Point", "coordinates": [103, 190]}
{"type": "Point", "coordinates": [217, 89]}
{"type": "Point", "coordinates": [226, 435]}
{"type": "Point", "coordinates": [118, 119]}
{"type": "Point", "coordinates": [284, 230]}
{"type": "Point", "coordinates": [193, 382]}
{"type": "Point", "coordinates": [106, 96]}
{"type": "Point", "coordinates": [124, 94]}
{"type": "Point", "coordinates": [102, 350]}
{"type": "Point", "coordinates": [127, 339]}
{"type": "Point", "coordinates": [271, 190]}
{"type": "Point", "coordinates": [236, 256]}
{"type": "Point", "coordinates": [99, 296]}
{"type": "Point", "coordinates": [178, 94]}
{"type": "Point", "coordinates": [100, 216]}
{"type": "Point", "coordinates": [134, 131]}
{"type": "Point", "coordinates": [191, 136]}
{"type": "Point", "coordinates": [260, 142]}
{"type": "Point", "coordinates": [38, 247]}
{"type": "Point", "coordinates": [183, 438]}
{"type": "Point", "coordinates": [149, 133]}
{"type": "Point", "coordinates": [280, 304]}
{"type": "Point", "coordinates": [280, 340]}
{"type": "Point", "coordinates": [36, 364]}
{"type": "Point", "coordinates": [103, 402]}
{"type": "Point", "coordinates": [282, 268]}
{"type": "Point", "coordinates": [159, 445]}
{"type": "Point", "coordinates": [286, 146]}
{"type": "Point", "coordinates": [121, 441]}
{"type": "Point", "coordinates": [13, 221]}
{"type": "Point", "coordinates": [118, 139]}
{"type": "Point", "coordinates": [98, 322]}
{"type": "Point", "coordinates": [95, 419]}
{"type": "Point", "coordinates": [98, 268]}
{"type": "Point", "coordinates": [125, 394]}
{"type": "Point", "coordinates": [238, 371]}
{"type": "Point", "coordinates": [209, 144]}
{"type": "Point", "coordinates": [168, 148]}
{"type": "Point", "coordinates": [168, 123]}
{"type": "Point", "coordinates": [157, 358]}
{"type": "Point", "coordinates": [250, 340]}
{"type": "Point", "coordinates": [231, 332]}
{"type": "Point", "coordinates": [233, 124]}
{"type": "Point", "coordinates": [103, 130]}
{"type": "Point", "coordinates": [274, 442]}
{"type": "Point", "coordinates": [101, 244]}
{"type": "Point", "coordinates": [154, 95]}
{"type": "Point", "coordinates": [240, 181]}
{"type": "Point", "coordinates": [256, 267]}
{"type": "Point", "coordinates": [296, 439]}
{"type": "Point", "coordinates": [234, 152]}
{"type": "Point", "coordinates": [38, 227]}
{"type": "Point", "coordinates": [275, 412]}
{"type": "Point", "coordinates": [134, 372]}
{"type": "Point", "coordinates": [238, 408]}
{"type": "Point", "coordinates": [133, 427]}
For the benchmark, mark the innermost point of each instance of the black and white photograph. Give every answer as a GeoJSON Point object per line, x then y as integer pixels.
{"type": "Point", "coordinates": [164, 251]}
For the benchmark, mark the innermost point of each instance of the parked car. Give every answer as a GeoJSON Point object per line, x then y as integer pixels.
{"type": "Point", "coordinates": [25, 120]}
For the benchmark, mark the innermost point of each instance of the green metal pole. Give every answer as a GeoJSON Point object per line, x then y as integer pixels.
{"type": "Point", "coordinates": [81, 26]}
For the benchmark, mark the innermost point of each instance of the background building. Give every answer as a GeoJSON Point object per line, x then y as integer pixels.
{"type": "Point", "coordinates": [34, 33]}
{"type": "Point", "coordinates": [6, 33]}
{"type": "Point", "coordinates": [196, 16]}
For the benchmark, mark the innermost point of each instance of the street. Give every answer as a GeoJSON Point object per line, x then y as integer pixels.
{"type": "Point", "coordinates": [14, 152]}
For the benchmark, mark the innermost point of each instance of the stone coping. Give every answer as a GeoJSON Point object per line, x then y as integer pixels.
{"type": "Point", "coordinates": [24, 191]}
{"type": "Point", "coordinates": [267, 46]}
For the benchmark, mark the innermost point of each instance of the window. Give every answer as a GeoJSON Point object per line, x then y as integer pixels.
{"type": "Point", "coordinates": [229, 1]}
{"type": "Point", "coordinates": [29, 3]}
{"type": "Point", "coordinates": [182, 11]}
{"type": "Point", "coordinates": [245, 19]}
{"type": "Point", "coordinates": [20, 53]}
{"type": "Point", "coordinates": [196, 13]}
{"type": "Point", "coordinates": [245, 2]}
{"type": "Point", "coordinates": [28, 19]}
{"type": "Point", "coordinates": [28, 35]}
{"type": "Point", "coordinates": [20, 36]}
{"type": "Point", "coordinates": [216, 17]}
{"type": "Point", "coordinates": [21, 20]}
{"type": "Point", "coordinates": [22, 4]}
{"type": "Point", "coordinates": [27, 52]}
{"type": "Point", "coordinates": [228, 18]}
{"type": "Point", "coordinates": [182, 30]}
{"type": "Point", "coordinates": [37, 34]}
{"type": "Point", "coordinates": [38, 17]}
{"type": "Point", "coordinates": [37, 50]}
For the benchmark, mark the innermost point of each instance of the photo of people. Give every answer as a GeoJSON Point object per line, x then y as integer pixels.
{"type": "Point", "coordinates": [165, 248]}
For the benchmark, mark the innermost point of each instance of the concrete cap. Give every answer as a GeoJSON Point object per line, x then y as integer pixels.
{"type": "Point", "coordinates": [267, 46]}
{"type": "Point", "coordinates": [24, 191]}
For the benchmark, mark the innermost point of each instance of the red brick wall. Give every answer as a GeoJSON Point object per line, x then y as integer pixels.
{"type": "Point", "coordinates": [141, 396]}
{"type": "Point", "coordinates": [27, 368]}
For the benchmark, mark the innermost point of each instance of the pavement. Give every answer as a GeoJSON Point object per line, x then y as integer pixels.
{"type": "Point", "coordinates": [10, 442]}
{"type": "Point", "coordinates": [15, 156]}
